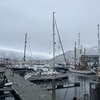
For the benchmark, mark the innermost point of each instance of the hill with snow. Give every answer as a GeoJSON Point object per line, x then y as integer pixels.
{"type": "Point", "coordinates": [70, 54]}
{"type": "Point", "coordinates": [19, 55]}
{"type": "Point", "coordinates": [59, 59]}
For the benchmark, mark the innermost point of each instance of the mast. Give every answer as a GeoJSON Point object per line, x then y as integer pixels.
{"type": "Point", "coordinates": [79, 51]}
{"type": "Point", "coordinates": [79, 40]}
{"type": "Point", "coordinates": [25, 48]}
{"type": "Point", "coordinates": [75, 98]}
{"type": "Point", "coordinates": [54, 40]}
{"type": "Point", "coordinates": [84, 57]}
{"type": "Point", "coordinates": [75, 55]}
{"type": "Point", "coordinates": [98, 45]}
{"type": "Point", "coordinates": [53, 80]}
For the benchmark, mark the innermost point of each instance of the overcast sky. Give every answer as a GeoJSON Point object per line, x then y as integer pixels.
{"type": "Point", "coordinates": [35, 17]}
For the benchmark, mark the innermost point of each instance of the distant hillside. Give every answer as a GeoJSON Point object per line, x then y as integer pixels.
{"type": "Point", "coordinates": [70, 54]}
{"type": "Point", "coordinates": [59, 59]}
{"type": "Point", "coordinates": [19, 55]}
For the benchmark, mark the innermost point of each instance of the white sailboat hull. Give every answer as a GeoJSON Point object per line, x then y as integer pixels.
{"type": "Point", "coordinates": [81, 71]}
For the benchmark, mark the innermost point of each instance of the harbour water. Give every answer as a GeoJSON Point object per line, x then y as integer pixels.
{"type": "Point", "coordinates": [78, 92]}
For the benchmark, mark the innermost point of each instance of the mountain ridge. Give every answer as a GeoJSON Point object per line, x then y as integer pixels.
{"type": "Point", "coordinates": [11, 54]}
{"type": "Point", "coordinates": [68, 54]}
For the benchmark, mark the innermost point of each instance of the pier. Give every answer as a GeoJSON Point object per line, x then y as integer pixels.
{"type": "Point", "coordinates": [26, 90]}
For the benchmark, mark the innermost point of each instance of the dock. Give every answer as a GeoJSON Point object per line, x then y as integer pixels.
{"type": "Point", "coordinates": [27, 90]}
{"type": "Point", "coordinates": [36, 78]}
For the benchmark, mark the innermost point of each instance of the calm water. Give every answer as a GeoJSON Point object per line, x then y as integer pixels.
{"type": "Point", "coordinates": [69, 93]}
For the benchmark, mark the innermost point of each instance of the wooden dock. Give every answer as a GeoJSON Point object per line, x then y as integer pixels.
{"type": "Point", "coordinates": [27, 90]}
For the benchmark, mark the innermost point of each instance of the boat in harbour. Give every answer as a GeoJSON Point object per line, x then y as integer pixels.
{"type": "Point", "coordinates": [98, 68]}
{"type": "Point", "coordinates": [81, 68]}
{"type": "Point", "coordinates": [82, 71]}
{"type": "Point", "coordinates": [21, 67]}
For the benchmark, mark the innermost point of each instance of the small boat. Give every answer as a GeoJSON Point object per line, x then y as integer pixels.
{"type": "Point", "coordinates": [50, 71]}
{"type": "Point", "coordinates": [98, 68]}
{"type": "Point", "coordinates": [81, 68]}
{"type": "Point", "coordinates": [82, 71]}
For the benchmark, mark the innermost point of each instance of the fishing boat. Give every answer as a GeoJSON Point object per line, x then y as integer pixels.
{"type": "Point", "coordinates": [98, 68]}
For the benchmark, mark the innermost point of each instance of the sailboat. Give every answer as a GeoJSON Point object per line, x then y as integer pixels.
{"type": "Point", "coordinates": [59, 67]}
{"type": "Point", "coordinates": [80, 68]}
{"type": "Point", "coordinates": [22, 67]}
{"type": "Point", "coordinates": [98, 68]}
{"type": "Point", "coordinates": [51, 70]}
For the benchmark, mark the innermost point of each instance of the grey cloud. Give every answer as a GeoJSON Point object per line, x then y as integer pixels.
{"type": "Point", "coordinates": [35, 17]}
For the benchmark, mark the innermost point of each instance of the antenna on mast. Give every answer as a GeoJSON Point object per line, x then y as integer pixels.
{"type": "Point", "coordinates": [79, 40]}
{"type": "Point", "coordinates": [25, 47]}
{"type": "Point", "coordinates": [75, 55]}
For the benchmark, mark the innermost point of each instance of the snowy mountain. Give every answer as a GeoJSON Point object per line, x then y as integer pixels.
{"type": "Point", "coordinates": [19, 55]}
{"type": "Point", "coordinates": [69, 55]}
